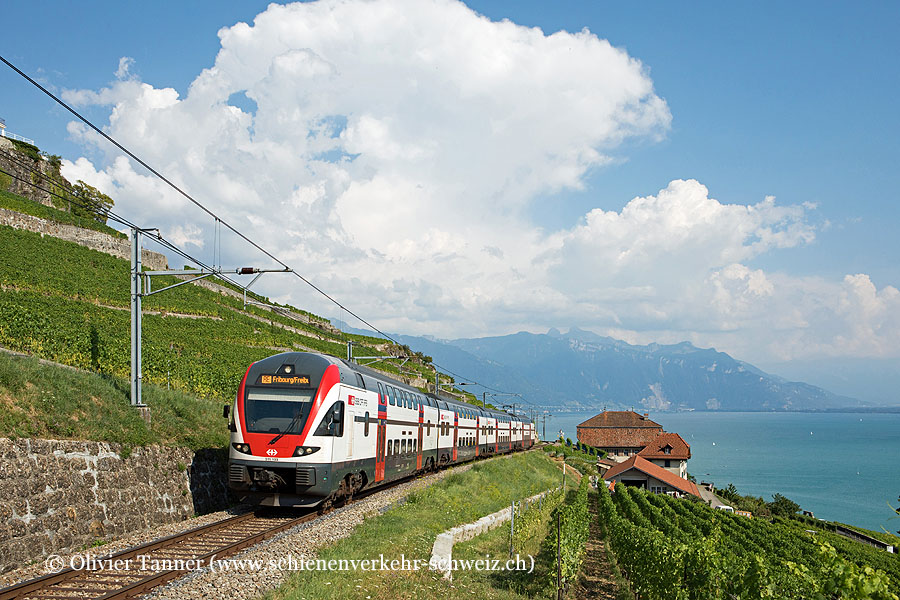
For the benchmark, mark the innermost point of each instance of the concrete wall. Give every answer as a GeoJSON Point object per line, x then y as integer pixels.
{"type": "Point", "coordinates": [57, 496]}
{"type": "Point", "coordinates": [96, 240]}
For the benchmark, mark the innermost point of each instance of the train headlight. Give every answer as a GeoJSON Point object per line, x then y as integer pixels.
{"type": "Point", "coordinates": [243, 448]}
{"type": "Point", "coordinates": [305, 450]}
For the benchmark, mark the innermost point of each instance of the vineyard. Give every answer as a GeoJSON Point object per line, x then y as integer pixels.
{"type": "Point", "coordinates": [70, 304]}
{"type": "Point", "coordinates": [678, 548]}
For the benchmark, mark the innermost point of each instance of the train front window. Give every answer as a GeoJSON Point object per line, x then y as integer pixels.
{"type": "Point", "coordinates": [277, 410]}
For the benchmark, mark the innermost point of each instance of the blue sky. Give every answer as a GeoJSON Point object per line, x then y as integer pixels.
{"type": "Point", "coordinates": [792, 100]}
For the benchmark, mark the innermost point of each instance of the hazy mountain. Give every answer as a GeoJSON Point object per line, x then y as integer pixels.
{"type": "Point", "coordinates": [580, 369]}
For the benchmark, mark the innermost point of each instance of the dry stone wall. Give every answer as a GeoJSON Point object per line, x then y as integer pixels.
{"type": "Point", "coordinates": [96, 240]}
{"type": "Point", "coordinates": [26, 169]}
{"type": "Point", "coordinates": [58, 496]}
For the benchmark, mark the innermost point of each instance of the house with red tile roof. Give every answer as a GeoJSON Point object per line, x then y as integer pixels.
{"type": "Point", "coordinates": [669, 451]}
{"type": "Point", "coordinates": [621, 434]}
{"type": "Point", "coordinates": [640, 472]}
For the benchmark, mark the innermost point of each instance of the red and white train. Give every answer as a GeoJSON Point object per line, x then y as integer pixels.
{"type": "Point", "coordinates": [307, 428]}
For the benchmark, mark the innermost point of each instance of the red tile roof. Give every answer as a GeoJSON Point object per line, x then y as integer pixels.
{"type": "Point", "coordinates": [655, 471]}
{"type": "Point", "coordinates": [678, 448]}
{"type": "Point", "coordinates": [618, 429]}
{"type": "Point", "coordinates": [623, 418]}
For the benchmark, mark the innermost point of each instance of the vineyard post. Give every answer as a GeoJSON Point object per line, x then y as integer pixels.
{"type": "Point", "coordinates": [558, 559]}
{"type": "Point", "coordinates": [512, 526]}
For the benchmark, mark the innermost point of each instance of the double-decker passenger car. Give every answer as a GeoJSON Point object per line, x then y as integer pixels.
{"type": "Point", "coordinates": [308, 428]}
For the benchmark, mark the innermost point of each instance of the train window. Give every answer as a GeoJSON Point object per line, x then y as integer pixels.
{"type": "Point", "coordinates": [333, 422]}
{"type": "Point", "coordinates": [389, 392]}
{"type": "Point", "coordinates": [360, 381]}
{"type": "Point", "coordinates": [366, 430]}
{"type": "Point", "coordinates": [390, 447]}
{"type": "Point", "coordinates": [403, 446]}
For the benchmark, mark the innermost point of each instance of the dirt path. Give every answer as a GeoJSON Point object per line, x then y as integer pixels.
{"type": "Point", "coordinates": [596, 580]}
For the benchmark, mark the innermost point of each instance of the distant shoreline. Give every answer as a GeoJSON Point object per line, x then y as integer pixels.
{"type": "Point", "coordinates": [847, 410]}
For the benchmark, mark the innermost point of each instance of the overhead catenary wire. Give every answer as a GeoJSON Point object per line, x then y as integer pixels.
{"type": "Point", "coordinates": [158, 238]}
{"type": "Point", "coordinates": [219, 221]}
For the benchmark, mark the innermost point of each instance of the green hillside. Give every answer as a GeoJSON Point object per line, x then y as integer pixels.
{"type": "Point", "coordinates": [70, 304]}
{"type": "Point", "coordinates": [49, 401]}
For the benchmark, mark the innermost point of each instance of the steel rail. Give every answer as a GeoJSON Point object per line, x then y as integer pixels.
{"type": "Point", "coordinates": [100, 584]}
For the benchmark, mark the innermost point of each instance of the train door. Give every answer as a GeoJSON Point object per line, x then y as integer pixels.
{"type": "Point", "coordinates": [419, 444]}
{"type": "Point", "coordinates": [455, 433]}
{"type": "Point", "coordinates": [381, 435]}
{"type": "Point", "coordinates": [361, 442]}
{"type": "Point", "coordinates": [477, 435]}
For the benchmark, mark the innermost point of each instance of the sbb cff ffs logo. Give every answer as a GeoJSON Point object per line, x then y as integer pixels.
{"type": "Point", "coordinates": [272, 452]}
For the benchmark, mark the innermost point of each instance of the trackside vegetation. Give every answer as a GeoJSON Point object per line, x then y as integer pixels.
{"type": "Point", "coordinates": [47, 401]}
{"type": "Point", "coordinates": [410, 528]}
{"type": "Point", "coordinates": [677, 548]}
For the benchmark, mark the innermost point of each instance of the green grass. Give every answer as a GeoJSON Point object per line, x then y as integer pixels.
{"type": "Point", "coordinates": [36, 209]}
{"type": "Point", "coordinates": [585, 463]}
{"type": "Point", "coordinates": [410, 530]}
{"type": "Point", "coordinates": [46, 401]}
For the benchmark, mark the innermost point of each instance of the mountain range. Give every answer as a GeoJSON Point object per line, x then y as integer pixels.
{"type": "Point", "coordinates": [581, 370]}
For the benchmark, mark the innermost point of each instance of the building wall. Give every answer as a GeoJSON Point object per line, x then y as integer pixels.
{"type": "Point", "coordinates": [622, 454]}
{"type": "Point", "coordinates": [650, 483]}
{"type": "Point", "coordinates": [678, 467]}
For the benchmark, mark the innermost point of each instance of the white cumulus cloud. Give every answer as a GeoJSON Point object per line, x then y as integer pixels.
{"type": "Point", "coordinates": [391, 150]}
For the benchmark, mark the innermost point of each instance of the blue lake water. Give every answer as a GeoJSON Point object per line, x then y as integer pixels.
{"type": "Point", "coordinates": [842, 466]}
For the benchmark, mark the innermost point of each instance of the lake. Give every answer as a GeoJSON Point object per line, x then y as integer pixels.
{"type": "Point", "coordinates": [842, 466]}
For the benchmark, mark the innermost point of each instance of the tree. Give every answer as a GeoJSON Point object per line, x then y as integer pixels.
{"type": "Point", "coordinates": [783, 506]}
{"type": "Point", "coordinates": [92, 202]}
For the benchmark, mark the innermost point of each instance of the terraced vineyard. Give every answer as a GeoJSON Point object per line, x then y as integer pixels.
{"type": "Point", "coordinates": [70, 304]}
{"type": "Point", "coordinates": [677, 548]}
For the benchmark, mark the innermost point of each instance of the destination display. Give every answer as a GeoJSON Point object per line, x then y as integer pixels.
{"type": "Point", "coordinates": [283, 380]}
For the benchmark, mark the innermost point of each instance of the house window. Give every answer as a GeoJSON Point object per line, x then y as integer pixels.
{"type": "Point", "coordinates": [668, 463]}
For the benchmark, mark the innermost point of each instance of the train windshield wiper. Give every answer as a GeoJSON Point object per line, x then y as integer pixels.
{"type": "Point", "coordinates": [292, 424]}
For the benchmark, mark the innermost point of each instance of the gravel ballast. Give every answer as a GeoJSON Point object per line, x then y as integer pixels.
{"type": "Point", "coordinates": [246, 582]}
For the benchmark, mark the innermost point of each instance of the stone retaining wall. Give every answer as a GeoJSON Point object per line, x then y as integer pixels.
{"type": "Point", "coordinates": [442, 551]}
{"type": "Point", "coordinates": [58, 496]}
{"type": "Point", "coordinates": [96, 240]}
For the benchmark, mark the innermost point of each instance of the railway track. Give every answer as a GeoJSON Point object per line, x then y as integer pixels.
{"type": "Point", "coordinates": [106, 579]}
{"type": "Point", "coordinates": [135, 571]}
{"type": "Point", "coordinates": [195, 549]}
